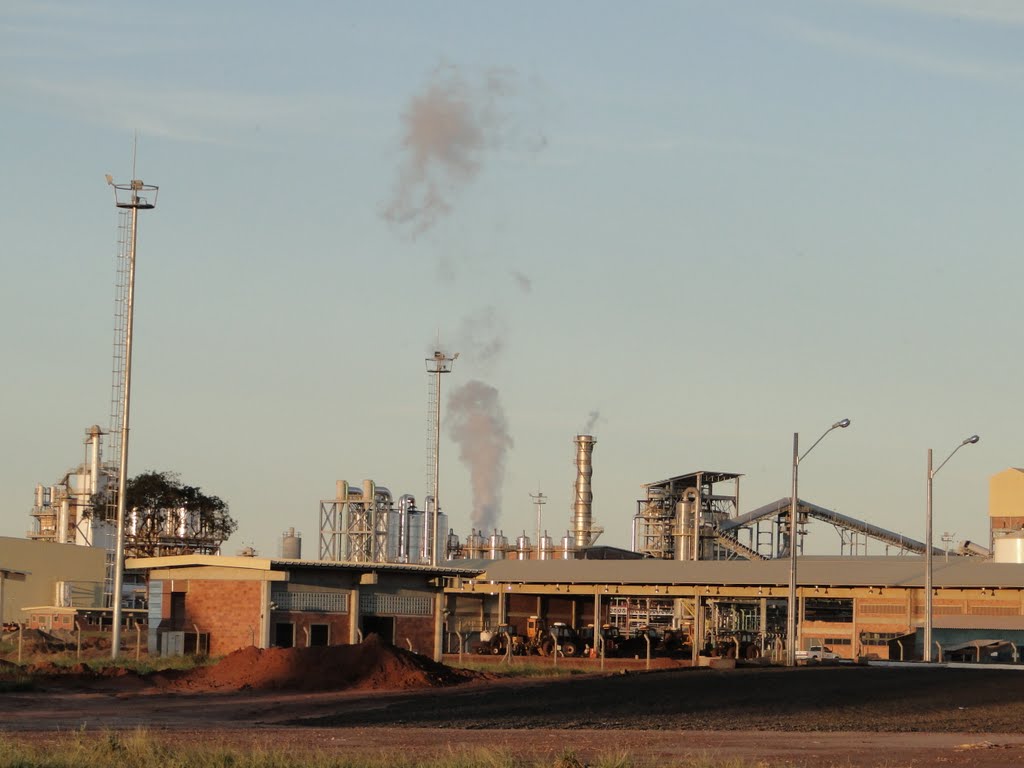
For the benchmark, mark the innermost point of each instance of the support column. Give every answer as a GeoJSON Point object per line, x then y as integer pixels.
{"type": "Point", "coordinates": [353, 616]}
{"type": "Point", "coordinates": [439, 625]}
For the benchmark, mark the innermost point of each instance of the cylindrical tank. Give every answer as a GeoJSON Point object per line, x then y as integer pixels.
{"type": "Point", "coordinates": [523, 548]}
{"type": "Point", "coordinates": [582, 517]}
{"type": "Point", "coordinates": [64, 521]}
{"type": "Point", "coordinates": [474, 545]}
{"type": "Point", "coordinates": [496, 546]}
{"type": "Point", "coordinates": [453, 546]}
{"type": "Point", "coordinates": [545, 547]}
{"type": "Point", "coordinates": [414, 523]}
{"type": "Point", "coordinates": [568, 549]}
{"type": "Point", "coordinates": [1008, 549]}
{"type": "Point", "coordinates": [442, 523]}
{"type": "Point", "coordinates": [291, 545]}
{"type": "Point", "coordinates": [39, 494]}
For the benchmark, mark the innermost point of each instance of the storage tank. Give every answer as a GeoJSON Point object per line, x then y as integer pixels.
{"type": "Point", "coordinates": [291, 545]}
{"type": "Point", "coordinates": [1008, 548]}
{"type": "Point", "coordinates": [496, 546]}
{"type": "Point", "coordinates": [474, 545]}
{"type": "Point", "coordinates": [568, 549]}
{"type": "Point", "coordinates": [545, 547]}
{"type": "Point", "coordinates": [523, 548]}
{"type": "Point", "coordinates": [415, 522]}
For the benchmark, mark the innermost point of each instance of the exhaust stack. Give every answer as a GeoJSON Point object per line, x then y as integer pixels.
{"type": "Point", "coordinates": [582, 518]}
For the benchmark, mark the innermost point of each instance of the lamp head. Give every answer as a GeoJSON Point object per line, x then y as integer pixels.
{"type": "Point", "coordinates": [971, 440]}
{"type": "Point", "coordinates": [844, 424]}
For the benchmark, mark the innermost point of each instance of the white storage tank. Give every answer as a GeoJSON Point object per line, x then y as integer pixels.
{"type": "Point", "coordinates": [1009, 548]}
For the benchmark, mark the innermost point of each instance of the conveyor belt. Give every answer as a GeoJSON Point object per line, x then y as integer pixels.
{"type": "Point", "coordinates": [730, 543]}
{"type": "Point", "coordinates": [905, 543]}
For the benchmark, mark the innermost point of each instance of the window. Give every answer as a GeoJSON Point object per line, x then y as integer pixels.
{"type": "Point", "coordinates": [829, 609]}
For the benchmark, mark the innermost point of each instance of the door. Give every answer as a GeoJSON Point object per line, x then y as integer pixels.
{"type": "Point", "coordinates": [284, 634]}
{"type": "Point", "coordinates": [384, 626]}
{"type": "Point", "coordinates": [318, 634]}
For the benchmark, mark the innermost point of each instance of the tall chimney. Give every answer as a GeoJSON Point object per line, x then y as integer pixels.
{"type": "Point", "coordinates": [581, 517]}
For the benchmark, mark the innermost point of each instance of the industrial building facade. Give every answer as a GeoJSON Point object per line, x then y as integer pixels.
{"type": "Point", "coordinates": [861, 607]}
{"type": "Point", "coordinates": [219, 604]}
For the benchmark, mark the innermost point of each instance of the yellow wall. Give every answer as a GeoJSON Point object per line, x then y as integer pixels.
{"type": "Point", "coordinates": [48, 563]}
{"type": "Point", "coordinates": [1006, 494]}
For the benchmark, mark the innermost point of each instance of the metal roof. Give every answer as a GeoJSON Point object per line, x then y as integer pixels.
{"type": "Point", "coordinates": [967, 572]}
{"type": "Point", "coordinates": [707, 474]}
{"type": "Point", "coordinates": [280, 564]}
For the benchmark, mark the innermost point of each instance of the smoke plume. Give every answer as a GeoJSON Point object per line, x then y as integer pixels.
{"type": "Point", "coordinates": [475, 421]}
{"type": "Point", "coordinates": [592, 420]}
{"type": "Point", "coordinates": [525, 283]}
{"type": "Point", "coordinates": [481, 336]}
{"type": "Point", "coordinates": [448, 128]}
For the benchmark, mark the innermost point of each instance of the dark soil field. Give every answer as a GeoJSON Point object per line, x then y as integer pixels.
{"type": "Point", "coordinates": [373, 698]}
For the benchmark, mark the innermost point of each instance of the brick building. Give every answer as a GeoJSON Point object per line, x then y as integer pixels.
{"type": "Point", "coordinates": [217, 604]}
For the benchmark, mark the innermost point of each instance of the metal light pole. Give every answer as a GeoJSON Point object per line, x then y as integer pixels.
{"type": "Point", "coordinates": [926, 651]}
{"type": "Point", "coordinates": [792, 604]}
{"type": "Point", "coordinates": [437, 365]}
{"type": "Point", "coordinates": [134, 201]}
{"type": "Point", "coordinates": [539, 501]}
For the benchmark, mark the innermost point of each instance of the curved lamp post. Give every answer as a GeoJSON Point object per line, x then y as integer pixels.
{"type": "Point", "coordinates": [927, 649]}
{"type": "Point", "coordinates": [791, 606]}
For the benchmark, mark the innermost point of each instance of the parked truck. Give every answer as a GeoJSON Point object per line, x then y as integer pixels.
{"type": "Point", "coordinates": [816, 653]}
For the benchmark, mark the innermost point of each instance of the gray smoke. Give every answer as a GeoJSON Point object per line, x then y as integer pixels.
{"type": "Point", "coordinates": [481, 336]}
{"type": "Point", "coordinates": [475, 421]}
{"type": "Point", "coordinates": [591, 422]}
{"type": "Point", "coordinates": [448, 128]}
{"type": "Point", "coordinates": [525, 283]}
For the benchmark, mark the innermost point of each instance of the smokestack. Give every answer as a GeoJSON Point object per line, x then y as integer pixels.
{"type": "Point", "coordinates": [582, 517]}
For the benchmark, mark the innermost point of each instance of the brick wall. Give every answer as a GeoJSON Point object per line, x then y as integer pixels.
{"type": "Point", "coordinates": [228, 610]}
{"type": "Point", "coordinates": [420, 632]}
{"type": "Point", "coordinates": [337, 623]}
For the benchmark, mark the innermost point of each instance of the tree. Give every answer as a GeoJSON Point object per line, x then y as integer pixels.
{"type": "Point", "coordinates": [166, 517]}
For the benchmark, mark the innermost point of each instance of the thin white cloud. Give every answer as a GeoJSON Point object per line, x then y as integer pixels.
{"type": "Point", "coordinates": [1009, 12]}
{"type": "Point", "coordinates": [190, 115]}
{"type": "Point", "coordinates": [944, 63]}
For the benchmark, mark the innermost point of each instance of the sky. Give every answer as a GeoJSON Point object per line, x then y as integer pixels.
{"type": "Point", "coordinates": [690, 229]}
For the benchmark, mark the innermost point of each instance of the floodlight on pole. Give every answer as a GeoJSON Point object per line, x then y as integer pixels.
{"type": "Point", "coordinates": [926, 651]}
{"type": "Point", "coordinates": [791, 606]}
{"type": "Point", "coordinates": [438, 364]}
{"type": "Point", "coordinates": [134, 196]}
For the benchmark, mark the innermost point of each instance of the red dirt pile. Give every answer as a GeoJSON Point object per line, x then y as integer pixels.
{"type": "Point", "coordinates": [370, 665]}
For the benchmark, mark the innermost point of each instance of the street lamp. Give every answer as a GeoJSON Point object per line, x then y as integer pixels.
{"type": "Point", "coordinates": [927, 650]}
{"type": "Point", "coordinates": [791, 607]}
{"type": "Point", "coordinates": [437, 365]}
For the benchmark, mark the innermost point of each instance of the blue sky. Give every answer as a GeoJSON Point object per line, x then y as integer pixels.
{"type": "Point", "coordinates": [713, 225]}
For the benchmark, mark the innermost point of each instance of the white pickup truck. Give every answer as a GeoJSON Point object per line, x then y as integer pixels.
{"type": "Point", "coordinates": [816, 653]}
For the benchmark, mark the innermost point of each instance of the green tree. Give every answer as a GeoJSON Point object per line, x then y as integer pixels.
{"type": "Point", "coordinates": [166, 517]}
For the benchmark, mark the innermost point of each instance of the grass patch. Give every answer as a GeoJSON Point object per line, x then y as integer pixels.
{"type": "Point", "coordinates": [139, 749]}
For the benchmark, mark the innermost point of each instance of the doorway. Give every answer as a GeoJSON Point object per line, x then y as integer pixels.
{"type": "Point", "coordinates": [384, 626]}
{"type": "Point", "coordinates": [318, 634]}
{"type": "Point", "coordinates": [284, 634]}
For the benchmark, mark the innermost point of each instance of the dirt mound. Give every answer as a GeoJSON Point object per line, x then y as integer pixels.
{"type": "Point", "coordinates": [38, 641]}
{"type": "Point", "coordinates": [370, 665]}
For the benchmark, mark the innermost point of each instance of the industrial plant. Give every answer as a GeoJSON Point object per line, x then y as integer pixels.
{"type": "Point", "coordinates": [702, 578]}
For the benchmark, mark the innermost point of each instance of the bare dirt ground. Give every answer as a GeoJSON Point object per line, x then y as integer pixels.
{"type": "Point", "coordinates": [374, 698]}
